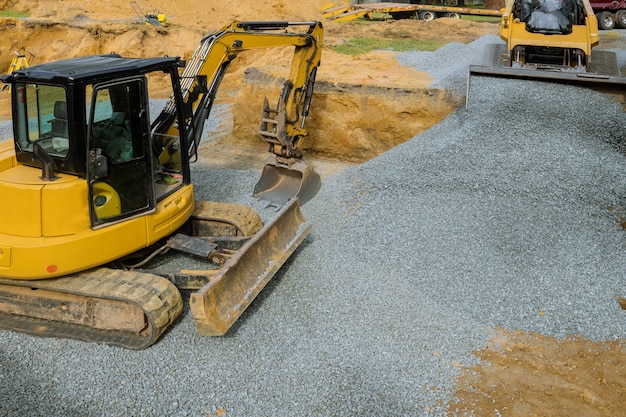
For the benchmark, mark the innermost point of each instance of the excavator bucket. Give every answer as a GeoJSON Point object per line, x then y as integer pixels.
{"type": "Point", "coordinates": [281, 182]}
{"type": "Point", "coordinates": [217, 305]}
{"type": "Point", "coordinates": [284, 178]}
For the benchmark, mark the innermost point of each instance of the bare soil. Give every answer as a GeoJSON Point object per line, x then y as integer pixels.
{"type": "Point", "coordinates": [363, 106]}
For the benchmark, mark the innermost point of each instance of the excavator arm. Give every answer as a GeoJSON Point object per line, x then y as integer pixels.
{"type": "Point", "coordinates": [281, 127]}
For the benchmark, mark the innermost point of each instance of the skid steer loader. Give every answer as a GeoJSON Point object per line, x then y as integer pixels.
{"type": "Point", "coordinates": [551, 40]}
{"type": "Point", "coordinates": [95, 186]}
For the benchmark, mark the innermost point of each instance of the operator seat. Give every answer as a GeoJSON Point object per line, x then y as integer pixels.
{"type": "Point", "coordinates": [59, 122]}
{"type": "Point", "coordinates": [114, 138]}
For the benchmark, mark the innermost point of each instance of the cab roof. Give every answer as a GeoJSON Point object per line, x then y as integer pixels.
{"type": "Point", "coordinates": [92, 68]}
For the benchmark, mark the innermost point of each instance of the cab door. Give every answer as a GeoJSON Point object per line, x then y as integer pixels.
{"type": "Point", "coordinates": [120, 166]}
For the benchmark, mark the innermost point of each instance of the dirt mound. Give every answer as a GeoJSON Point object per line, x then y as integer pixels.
{"type": "Point", "coordinates": [350, 121]}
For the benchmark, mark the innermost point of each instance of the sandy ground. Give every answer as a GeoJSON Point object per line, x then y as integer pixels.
{"type": "Point", "coordinates": [519, 374]}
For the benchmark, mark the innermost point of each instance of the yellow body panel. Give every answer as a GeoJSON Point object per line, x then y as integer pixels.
{"type": "Point", "coordinates": [580, 38]}
{"type": "Point", "coordinates": [45, 227]}
{"type": "Point", "coordinates": [7, 155]}
{"type": "Point", "coordinates": [171, 213]}
{"type": "Point", "coordinates": [31, 207]}
{"type": "Point", "coordinates": [583, 37]}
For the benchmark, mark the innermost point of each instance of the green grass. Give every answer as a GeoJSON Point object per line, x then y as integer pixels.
{"type": "Point", "coordinates": [12, 13]}
{"type": "Point", "coordinates": [357, 46]}
{"type": "Point", "coordinates": [474, 18]}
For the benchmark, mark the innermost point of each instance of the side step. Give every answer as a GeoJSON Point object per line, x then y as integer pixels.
{"type": "Point", "coordinates": [217, 305]}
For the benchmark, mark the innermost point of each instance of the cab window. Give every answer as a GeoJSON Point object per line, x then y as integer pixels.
{"type": "Point", "coordinates": [113, 122]}
{"type": "Point", "coordinates": [41, 116]}
{"type": "Point", "coordinates": [120, 166]}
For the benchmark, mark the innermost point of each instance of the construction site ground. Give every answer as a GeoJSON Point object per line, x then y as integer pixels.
{"type": "Point", "coordinates": [364, 105]}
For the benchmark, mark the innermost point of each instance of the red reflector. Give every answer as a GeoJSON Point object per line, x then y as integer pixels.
{"type": "Point", "coordinates": [51, 268]}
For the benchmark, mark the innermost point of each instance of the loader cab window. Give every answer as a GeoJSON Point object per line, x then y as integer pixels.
{"type": "Point", "coordinates": [119, 165]}
{"type": "Point", "coordinates": [41, 116]}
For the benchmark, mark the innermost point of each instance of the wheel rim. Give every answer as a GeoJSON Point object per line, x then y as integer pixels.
{"type": "Point", "coordinates": [607, 21]}
{"type": "Point", "coordinates": [428, 16]}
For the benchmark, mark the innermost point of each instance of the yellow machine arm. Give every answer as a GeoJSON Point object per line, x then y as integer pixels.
{"type": "Point", "coordinates": [209, 63]}
{"type": "Point", "coordinates": [19, 61]}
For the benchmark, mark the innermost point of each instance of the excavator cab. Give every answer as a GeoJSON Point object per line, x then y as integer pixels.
{"type": "Point", "coordinates": [108, 142]}
{"type": "Point", "coordinates": [84, 152]}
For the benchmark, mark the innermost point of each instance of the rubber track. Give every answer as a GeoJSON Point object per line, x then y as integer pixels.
{"type": "Point", "coordinates": [243, 218]}
{"type": "Point", "coordinates": [156, 296]}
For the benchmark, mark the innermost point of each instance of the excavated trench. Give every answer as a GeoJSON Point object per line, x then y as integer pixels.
{"type": "Point", "coordinates": [348, 122]}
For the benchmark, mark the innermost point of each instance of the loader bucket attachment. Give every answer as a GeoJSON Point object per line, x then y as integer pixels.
{"type": "Point", "coordinates": [613, 85]}
{"type": "Point", "coordinates": [217, 305]}
{"type": "Point", "coordinates": [280, 182]}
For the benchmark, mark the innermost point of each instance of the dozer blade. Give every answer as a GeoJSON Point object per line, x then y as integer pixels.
{"type": "Point", "coordinates": [217, 305]}
{"type": "Point", "coordinates": [281, 182]}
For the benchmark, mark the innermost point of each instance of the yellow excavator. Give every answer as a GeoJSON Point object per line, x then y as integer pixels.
{"type": "Point", "coordinates": [96, 189]}
{"type": "Point", "coordinates": [19, 61]}
{"type": "Point", "coordinates": [552, 40]}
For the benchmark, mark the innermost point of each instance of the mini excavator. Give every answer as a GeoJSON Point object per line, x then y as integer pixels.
{"type": "Point", "coordinates": [96, 185]}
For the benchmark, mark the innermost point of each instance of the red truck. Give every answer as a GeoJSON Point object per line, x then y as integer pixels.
{"type": "Point", "coordinates": [610, 14]}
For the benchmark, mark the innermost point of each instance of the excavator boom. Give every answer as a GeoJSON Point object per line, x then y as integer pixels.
{"type": "Point", "coordinates": [285, 175]}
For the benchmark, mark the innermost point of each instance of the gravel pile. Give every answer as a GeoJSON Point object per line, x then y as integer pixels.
{"type": "Point", "coordinates": [504, 215]}
{"type": "Point", "coordinates": [446, 73]}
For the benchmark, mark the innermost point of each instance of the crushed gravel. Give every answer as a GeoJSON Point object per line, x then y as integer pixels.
{"type": "Point", "coordinates": [505, 215]}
